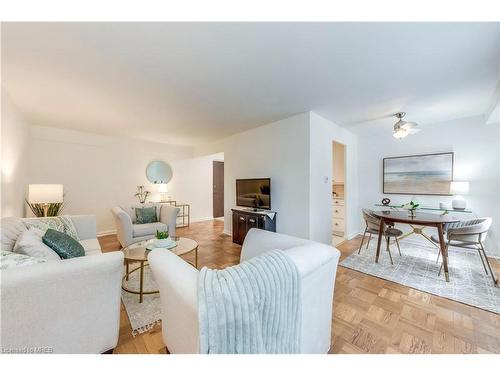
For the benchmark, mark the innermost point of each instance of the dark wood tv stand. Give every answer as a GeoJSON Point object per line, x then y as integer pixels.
{"type": "Point", "coordinates": [245, 219]}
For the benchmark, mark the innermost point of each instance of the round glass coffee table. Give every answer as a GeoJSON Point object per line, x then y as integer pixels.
{"type": "Point", "coordinates": [137, 253]}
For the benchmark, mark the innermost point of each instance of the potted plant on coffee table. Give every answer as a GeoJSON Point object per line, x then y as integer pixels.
{"type": "Point", "coordinates": [162, 239]}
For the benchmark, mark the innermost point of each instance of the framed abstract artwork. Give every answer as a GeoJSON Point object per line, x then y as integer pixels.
{"type": "Point", "coordinates": [429, 174]}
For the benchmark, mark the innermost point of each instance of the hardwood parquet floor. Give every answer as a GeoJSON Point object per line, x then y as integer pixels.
{"type": "Point", "coordinates": [370, 315]}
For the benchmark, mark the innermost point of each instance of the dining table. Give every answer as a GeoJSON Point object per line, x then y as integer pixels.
{"type": "Point", "coordinates": [421, 219]}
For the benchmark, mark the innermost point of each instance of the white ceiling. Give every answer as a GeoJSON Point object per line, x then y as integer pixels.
{"type": "Point", "coordinates": [189, 83]}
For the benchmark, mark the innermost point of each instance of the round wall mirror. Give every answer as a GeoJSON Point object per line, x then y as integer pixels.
{"type": "Point", "coordinates": [158, 172]}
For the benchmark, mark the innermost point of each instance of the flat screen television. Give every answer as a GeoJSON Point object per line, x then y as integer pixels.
{"type": "Point", "coordinates": [254, 192]}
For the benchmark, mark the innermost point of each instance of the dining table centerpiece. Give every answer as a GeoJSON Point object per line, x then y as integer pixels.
{"type": "Point", "coordinates": [411, 207]}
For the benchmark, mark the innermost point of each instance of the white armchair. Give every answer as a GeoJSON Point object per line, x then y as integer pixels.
{"type": "Point", "coordinates": [178, 283]}
{"type": "Point", "coordinates": [128, 231]}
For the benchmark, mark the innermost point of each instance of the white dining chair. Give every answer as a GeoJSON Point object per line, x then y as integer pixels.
{"type": "Point", "coordinates": [372, 227]}
{"type": "Point", "coordinates": [469, 234]}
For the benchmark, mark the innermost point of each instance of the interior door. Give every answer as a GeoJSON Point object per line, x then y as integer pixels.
{"type": "Point", "coordinates": [218, 188]}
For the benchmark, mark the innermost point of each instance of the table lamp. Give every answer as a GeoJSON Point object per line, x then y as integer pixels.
{"type": "Point", "coordinates": [163, 190]}
{"type": "Point", "coordinates": [458, 188]}
{"type": "Point", "coordinates": [45, 194]}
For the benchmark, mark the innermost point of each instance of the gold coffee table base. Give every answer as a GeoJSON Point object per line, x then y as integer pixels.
{"type": "Point", "coordinates": [137, 252]}
{"type": "Point", "coordinates": [140, 292]}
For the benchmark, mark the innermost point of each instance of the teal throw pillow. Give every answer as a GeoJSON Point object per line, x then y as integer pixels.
{"type": "Point", "coordinates": [64, 245]}
{"type": "Point", "coordinates": [145, 215]}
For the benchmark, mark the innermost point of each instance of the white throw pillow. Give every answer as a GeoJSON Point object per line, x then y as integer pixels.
{"type": "Point", "coordinates": [30, 243]}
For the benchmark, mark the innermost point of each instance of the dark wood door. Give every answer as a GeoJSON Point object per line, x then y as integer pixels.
{"type": "Point", "coordinates": [218, 188]}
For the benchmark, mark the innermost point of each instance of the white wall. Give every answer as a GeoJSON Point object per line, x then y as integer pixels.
{"type": "Point", "coordinates": [99, 172]}
{"type": "Point", "coordinates": [279, 150]}
{"type": "Point", "coordinates": [15, 153]}
{"type": "Point", "coordinates": [193, 184]}
{"type": "Point", "coordinates": [322, 133]}
{"type": "Point", "coordinates": [475, 146]}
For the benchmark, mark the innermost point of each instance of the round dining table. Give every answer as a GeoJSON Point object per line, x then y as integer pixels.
{"type": "Point", "coordinates": [418, 218]}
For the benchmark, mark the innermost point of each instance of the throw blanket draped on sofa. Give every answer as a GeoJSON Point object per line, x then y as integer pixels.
{"type": "Point", "coordinates": [252, 307]}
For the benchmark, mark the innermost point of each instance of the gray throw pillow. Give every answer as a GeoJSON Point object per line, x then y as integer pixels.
{"type": "Point", "coordinates": [145, 215]}
{"type": "Point", "coordinates": [64, 245]}
{"type": "Point", "coordinates": [30, 243]}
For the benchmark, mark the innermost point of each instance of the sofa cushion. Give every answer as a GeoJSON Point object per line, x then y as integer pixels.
{"type": "Point", "coordinates": [44, 223]}
{"type": "Point", "coordinates": [59, 223]}
{"type": "Point", "coordinates": [11, 229]}
{"type": "Point", "coordinates": [140, 230]}
{"type": "Point", "coordinates": [146, 215]}
{"type": "Point", "coordinates": [9, 259]}
{"type": "Point", "coordinates": [64, 245]}
{"type": "Point", "coordinates": [130, 210]}
{"type": "Point", "coordinates": [69, 227]}
{"type": "Point", "coordinates": [91, 246]}
{"type": "Point", "coordinates": [30, 243]}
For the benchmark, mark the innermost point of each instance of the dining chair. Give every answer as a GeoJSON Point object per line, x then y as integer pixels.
{"type": "Point", "coordinates": [372, 227]}
{"type": "Point", "coordinates": [469, 234]}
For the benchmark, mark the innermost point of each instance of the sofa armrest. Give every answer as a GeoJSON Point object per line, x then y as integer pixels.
{"type": "Point", "coordinates": [124, 226]}
{"type": "Point", "coordinates": [178, 284]}
{"type": "Point", "coordinates": [68, 306]}
{"type": "Point", "coordinates": [258, 241]}
{"type": "Point", "coordinates": [86, 226]}
{"type": "Point", "coordinates": [168, 215]}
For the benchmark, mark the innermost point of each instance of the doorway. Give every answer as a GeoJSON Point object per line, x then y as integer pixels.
{"type": "Point", "coordinates": [218, 189]}
{"type": "Point", "coordinates": [338, 192]}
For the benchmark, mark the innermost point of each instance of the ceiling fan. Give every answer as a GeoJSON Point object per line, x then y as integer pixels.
{"type": "Point", "coordinates": [403, 128]}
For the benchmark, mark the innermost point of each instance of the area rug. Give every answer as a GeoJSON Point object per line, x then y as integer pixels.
{"type": "Point", "coordinates": [146, 315]}
{"type": "Point", "coordinates": [417, 268]}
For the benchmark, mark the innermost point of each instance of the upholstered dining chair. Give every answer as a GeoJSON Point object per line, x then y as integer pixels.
{"type": "Point", "coordinates": [372, 227]}
{"type": "Point", "coordinates": [469, 234]}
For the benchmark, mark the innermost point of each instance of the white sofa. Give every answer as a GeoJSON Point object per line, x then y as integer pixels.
{"type": "Point", "coordinates": [128, 231]}
{"type": "Point", "coordinates": [67, 306]}
{"type": "Point", "coordinates": [178, 282]}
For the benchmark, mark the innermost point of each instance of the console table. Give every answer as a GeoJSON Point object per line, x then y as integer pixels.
{"type": "Point", "coordinates": [245, 219]}
{"type": "Point", "coordinates": [183, 218]}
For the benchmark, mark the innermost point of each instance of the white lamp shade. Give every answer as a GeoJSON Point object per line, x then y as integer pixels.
{"type": "Point", "coordinates": [459, 187]}
{"type": "Point", "coordinates": [45, 193]}
{"type": "Point", "coordinates": [162, 188]}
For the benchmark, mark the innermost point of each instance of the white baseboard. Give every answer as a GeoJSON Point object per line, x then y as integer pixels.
{"type": "Point", "coordinates": [198, 219]}
{"type": "Point", "coordinates": [106, 233]}
{"type": "Point", "coordinates": [353, 235]}
{"type": "Point", "coordinates": [227, 232]}
{"type": "Point", "coordinates": [113, 231]}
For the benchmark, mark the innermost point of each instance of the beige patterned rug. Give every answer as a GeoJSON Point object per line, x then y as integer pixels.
{"type": "Point", "coordinates": [417, 268]}
{"type": "Point", "coordinates": [146, 315]}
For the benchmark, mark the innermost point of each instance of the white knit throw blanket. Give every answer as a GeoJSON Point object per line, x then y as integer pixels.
{"type": "Point", "coordinates": [253, 307]}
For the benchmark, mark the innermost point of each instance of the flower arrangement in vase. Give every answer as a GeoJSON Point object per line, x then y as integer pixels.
{"type": "Point", "coordinates": [142, 194]}
{"type": "Point", "coordinates": [411, 207]}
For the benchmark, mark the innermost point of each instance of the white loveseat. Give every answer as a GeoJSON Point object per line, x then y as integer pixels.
{"type": "Point", "coordinates": [178, 283]}
{"type": "Point", "coordinates": [67, 306]}
{"type": "Point", "coordinates": [128, 231]}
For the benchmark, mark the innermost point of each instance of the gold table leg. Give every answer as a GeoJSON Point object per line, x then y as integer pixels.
{"type": "Point", "coordinates": [141, 289]}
